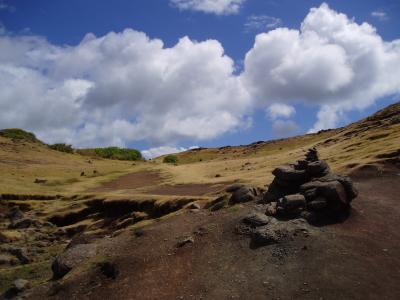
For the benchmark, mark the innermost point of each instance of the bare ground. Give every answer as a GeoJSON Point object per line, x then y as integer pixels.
{"type": "Point", "coordinates": [357, 259]}
{"type": "Point", "coordinates": [130, 181]}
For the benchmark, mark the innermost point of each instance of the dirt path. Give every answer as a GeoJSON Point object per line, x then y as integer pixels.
{"type": "Point", "coordinates": [131, 181]}
{"type": "Point", "coordinates": [358, 259]}
{"type": "Point", "coordinates": [154, 180]}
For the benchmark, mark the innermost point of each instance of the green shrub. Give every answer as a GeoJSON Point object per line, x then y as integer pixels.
{"type": "Point", "coordinates": [18, 134]}
{"type": "Point", "coordinates": [62, 148]}
{"type": "Point", "coordinates": [118, 153]}
{"type": "Point", "coordinates": [170, 159]}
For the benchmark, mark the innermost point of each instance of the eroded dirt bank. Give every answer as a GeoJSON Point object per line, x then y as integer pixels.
{"type": "Point", "coordinates": [357, 259]}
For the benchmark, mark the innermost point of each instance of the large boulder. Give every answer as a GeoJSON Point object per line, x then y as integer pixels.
{"type": "Point", "coordinates": [309, 188]}
{"type": "Point", "coordinates": [243, 194]}
{"type": "Point", "coordinates": [332, 191]}
{"type": "Point", "coordinates": [318, 168]}
{"type": "Point", "coordinates": [290, 173]}
{"type": "Point", "coordinates": [292, 201]}
{"type": "Point", "coordinates": [278, 190]}
{"type": "Point", "coordinates": [317, 204]}
{"type": "Point", "coordinates": [351, 190]}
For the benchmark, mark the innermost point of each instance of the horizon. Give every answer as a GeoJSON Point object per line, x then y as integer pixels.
{"type": "Point", "coordinates": [167, 150]}
{"type": "Point", "coordinates": [134, 75]}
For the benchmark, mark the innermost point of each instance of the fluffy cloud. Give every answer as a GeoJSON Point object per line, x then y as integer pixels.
{"type": "Point", "coordinates": [331, 61]}
{"type": "Point", "coordinates": [125, 87]}
{"type": "Point", "coordinates": [280, 110]}
{"type": "Point", "coordinates": [261, 23]}
{"type": "Point", "coordinates": [218, 7]}
{"type": "Point", "coordinates": [119, 88]}
{"type": "Point", "coordinates": [162, 150]}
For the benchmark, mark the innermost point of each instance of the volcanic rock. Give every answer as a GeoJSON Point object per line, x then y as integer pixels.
{"type": "Point", "coordinates": [310, 185]}
{"type": "Point", "coordinates": [71, 258]}
{"type": "Point", "coordinates": [256, 219]}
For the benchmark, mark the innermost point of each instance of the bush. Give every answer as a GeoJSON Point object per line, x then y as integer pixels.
{"type": "Point", "coordinates": [18, 134]}
{"type": "Point", "coordinates": [62, 148]}
{"type": "Point", "coordinates": [118, 153]}
{"type": "Point", "coordinates": [170, 159]}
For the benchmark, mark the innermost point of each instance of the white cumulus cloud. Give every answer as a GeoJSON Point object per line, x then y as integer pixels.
{"type": "Point", "coordinates": [125, 87]}
{"type": "Point", "coordinates": [280, 110]}
{"type": "Point", "coordinates": [331, 61]}
{"type": "Point", "coordinates": [218, 7]}
{"type": "Point", "coordinates": [119, 88]}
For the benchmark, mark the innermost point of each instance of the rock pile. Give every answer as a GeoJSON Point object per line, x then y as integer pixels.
{"type": "Point", "coordinates": [310, 190]}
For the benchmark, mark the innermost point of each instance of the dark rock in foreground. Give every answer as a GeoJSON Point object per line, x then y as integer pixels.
{"type": "Point", "coordinates": [310, 190]}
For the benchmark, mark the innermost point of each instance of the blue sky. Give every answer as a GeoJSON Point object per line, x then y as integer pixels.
{"type": "Point", "coordinates": [56, 29]}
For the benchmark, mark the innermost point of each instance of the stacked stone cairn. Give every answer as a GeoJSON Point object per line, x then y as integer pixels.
{"type": "Point", "coordinates": [309, 189]}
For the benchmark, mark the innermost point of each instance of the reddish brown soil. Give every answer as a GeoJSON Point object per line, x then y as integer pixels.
{"type": "Point", "coordinates": [358, 259]}
{"type": "Point", "coordinates": [187, 189]}
{"type": "Point", "coordinates": [131, 181]}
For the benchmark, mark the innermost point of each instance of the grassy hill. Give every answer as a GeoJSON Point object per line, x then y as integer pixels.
{"type": "Point", "coordinates": [105, 197]}
{"type": "Point", "coordinates": [369, 142]}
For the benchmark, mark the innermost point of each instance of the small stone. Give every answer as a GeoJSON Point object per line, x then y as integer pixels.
{"type": "Point", "coordinates": [266, 235]}
{"type": "Point", "coordinates": [256, 219]}
{"type": "Point", "coordinates": [187, 240]}
{"type": "Point", "coordinates": [194, 205]}
{"type": "Point", "coordinates": [270, 209]}
{"type": "Point", "coordinates": [21, 284]}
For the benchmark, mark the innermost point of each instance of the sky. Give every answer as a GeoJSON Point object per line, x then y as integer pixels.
{"type": "Point", "coordinates": [166, 75]}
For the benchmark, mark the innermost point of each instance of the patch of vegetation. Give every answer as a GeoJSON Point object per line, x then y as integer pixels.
{"type": "Point", "coordinates": [170, 159]}
{"type": "Point", "coordinates": [18, 134]}
{"type": "Point", "coordinates": [36, 273]}
{"type": "Point", "coordinates": [233, 209]}
{"type": "Point", "coordinates": [62, 147]}
{"type": "Point", "coordinates": [113, 153]}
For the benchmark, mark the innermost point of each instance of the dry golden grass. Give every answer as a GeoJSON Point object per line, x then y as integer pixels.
{"type": "Point", "coordinates": [345, 149]}
{"type": "Point", "coordinates": [22, 162]}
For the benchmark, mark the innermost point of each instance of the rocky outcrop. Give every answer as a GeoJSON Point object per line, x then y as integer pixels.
{"type": "Point", "coordinates": [310, 190]}
{"type": "Point", "coordinates": [241, 193]}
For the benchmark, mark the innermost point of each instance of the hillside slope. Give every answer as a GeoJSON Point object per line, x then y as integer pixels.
{"type": "Point", "coordinates": [112, 199]}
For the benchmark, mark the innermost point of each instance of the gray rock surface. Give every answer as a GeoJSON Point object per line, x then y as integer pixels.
{"type": "Point", "coordinates": [256, 219]}
{"type": "Point", "coordinates": [71, 258]}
